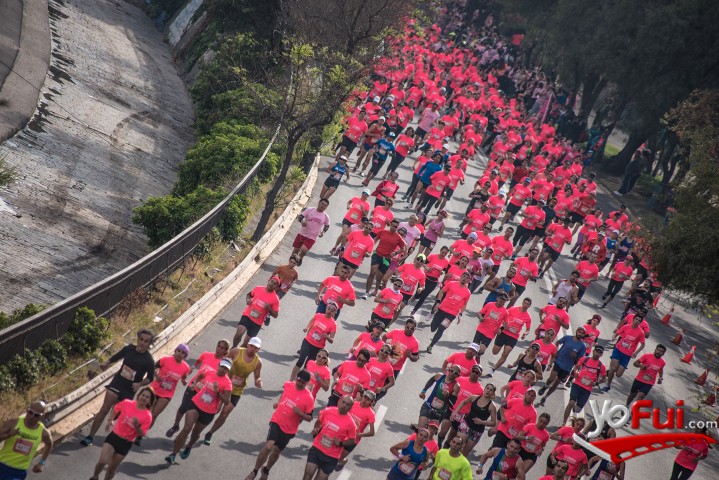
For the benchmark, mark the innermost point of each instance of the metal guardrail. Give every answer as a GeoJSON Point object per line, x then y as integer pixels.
{"type": "Point", "coordinates": [107, 294]}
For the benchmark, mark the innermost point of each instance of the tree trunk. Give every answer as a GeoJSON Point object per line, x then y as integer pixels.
{"type": "Point", "coordinates": [292, 140]}
{"type": "Point", "coordinates": [619, 162]}
{"type": "Point", "coordinates": [593, 86]}
{"type": "Point", "coordinates": [309, 157]}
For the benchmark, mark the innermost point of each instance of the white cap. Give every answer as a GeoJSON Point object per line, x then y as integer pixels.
{"type": "Point", "coordinates": [390, 97]}
{"type": "Point", "coordinates": [376, 99]}
{"type": "Point", "coordinates": [382, 118]}
{"type": "Point", "coordinates": [366, 191]}
{"type": "Point", "coordinates": [225, 362]}
{"type": "Point", "coordinates": [446, 145]}
{"type": "Point", "coordinates": [343, 156]}
{"type": "Point", "coordinates": [473, 346]}
{"type": "Point", "coordinates": [255, 342]}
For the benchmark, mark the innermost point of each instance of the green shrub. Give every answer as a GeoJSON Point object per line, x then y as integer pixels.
{"type": "Point", "coordinates": [7, 382]}
{"type": "Point", "coordinates": [55, 354]}
{"type": "Point", "coordinates": [85, 334]}
{"type": "Point", "coordinates": [26, 369]}
{"type": "Point", "coordinates": [19, 314]}
{"type": "Point", "coordinates": [164, 217]}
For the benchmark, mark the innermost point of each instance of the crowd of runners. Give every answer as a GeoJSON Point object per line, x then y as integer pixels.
{"type": "Point", "coordinates": [436, 104]}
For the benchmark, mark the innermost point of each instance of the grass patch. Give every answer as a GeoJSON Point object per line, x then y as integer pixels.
{"type": "Point", "coordinates": [154, 309]}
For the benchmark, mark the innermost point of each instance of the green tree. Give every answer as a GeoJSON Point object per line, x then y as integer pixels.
{"type": "Point", "coordinates": [684, 252]}
{"type": "Point", "coordinates": [162, 218]}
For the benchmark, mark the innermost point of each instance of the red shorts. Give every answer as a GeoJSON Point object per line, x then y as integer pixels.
{"type": "Point", "coordinates": [302, 240]}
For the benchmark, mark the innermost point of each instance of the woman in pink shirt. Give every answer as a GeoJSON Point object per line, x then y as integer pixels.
{"type": "Point", "coordinates": [689, 456]}
{"type": "Point", "coordinates": [131, 419]}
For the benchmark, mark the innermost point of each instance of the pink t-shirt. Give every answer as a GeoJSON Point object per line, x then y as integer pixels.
{"type": "Point", "coordinates": [321, 325]}
{"type": "Point", "coordinates": [350, 378]}
{"type": "Point", "coordinates": [336, 428]}
{"type": "Point", "coordinates": [402, 346]}
{"type": "Point", "coordinates": [539, 440]}
{"type": "Point", "coordinates": [170, 373]}
{"type": "Point", "coordinates": [362, 417]}
{"type": "Point", "coordinates": [323, 372]}
{"type": "Point", "coordinates": [124, 425]}
{"type": "Point", "coordinates": [465, 364]}
{"type": "Point", "coordinates": [654, 365]}
{"type": "Point", "coordinates": [336, 289]}
{"type": "Point", "coordinates": [466, 390]}
{"type": "Point", "coordinates": [516, 320]}
{"type": "Point", "coordinates": [379, 373]}
{"type": "Point", "coordinates": [630, 339]}
{"type": "Point", "coordinates": [492, 318]}
{"type": "Point", "coordinates": [316, 220]}
{"type": "Point", "coordinates": [455, 298]}
{"type": "Point", "coordinates": [517, 415]}
{"type": "Point", "coordinates": [546, 350]}
{"type": "Point", "coordinates": [575, 458]}
{"type": "Point", "coordinates": [525, 270]}
{"type": "Point", "coordinates": [260, 303]}
{"type": "Point", "coordinates": [358, 244]}
{"type": "Point", "coordinates": [284, 415]}
{"type": "Point", "coordinates": [208, 399]}
{"type": "Point", "coordinates": [689, 456]}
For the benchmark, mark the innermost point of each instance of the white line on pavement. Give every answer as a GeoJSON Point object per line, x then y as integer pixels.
{"type": "Point", "coordinates": [379, 416]}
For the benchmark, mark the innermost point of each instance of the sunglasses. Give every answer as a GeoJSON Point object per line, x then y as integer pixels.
{"type": "Point", "coordinates": [324, 357]}
{"type": "Point", "coordinates": [33, 413]}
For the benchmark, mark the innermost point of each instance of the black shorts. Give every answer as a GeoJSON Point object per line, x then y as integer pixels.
{"type": "Point", "coordinates": [186, 402]}
{"type": "Point", "coordinates": [332, 182]}
{"type": "Point", "coordinates": [540, 232]}
{"type": "Point", "coordinates": [553, 254]}
{"type": "Point", "coordinates": [252, 328]}
{"type": "Point", "coordinates": [500, 440]}
{"type": "Point", "coordinates": [581, 291]}
{"type": "Point", "coordinates": [325, 463]}
{"type": "Point", "coordinates": [429, 412]}
{"type": "Point", "coordinates": [307, 352]}
{"type": "Point", "coordinates": [420, 132]}
{"type": "Point", "coordinates": [344, 261]}
{"type": "Point", "coordinates": [504, 340]}
{"type": "Point", "coordinates": [519, 289]}
{"type": "Point", "coordinates": [347, 222]}
{"type": "Point", "coordinates": [576, 218]}
{"type": "Point", "coordinates": [119, 388]}
{"type": "Point", "coordinates": [425, 242]}
{"type": "Point", "coordinates": [642, 387]}
{"type": "Point", "coordinates": [381, 261]}
{"type": "Point", "coordinates": [235, 399]}
{"type": "Point", "coordinates": [562, 374]}
{"type": "Point", "coordinates": [579, 395]}
{"type": "Point", "coordinates": [406, 297]}
{"type": "Point", "coordinates": [204, 418]}
{"type": "Point", "coordinates": [350, 448]}
{"type": "Point", "coordinates": [447, 193]}
{"type": "Point", "coordinates": [525, 455]}
{"type": "Point", "coordinates": [280, 438]}
{"type": "Point", "coordinates": [481, 339]}
{"type": "Point", "coordinates": [374, 318]}
{"type": "Point", "coordinates": [495, 268]}
{"type": "Point", "coordinates": [641, 270]}
{"type": "Point", "coordinates": [376, 167]}
{"type": "Point", "coordinates": [350, 145]}
{"type": "Point", "coordinates": [121, 446]}
{"type": "Point", "coordinates": [513, 209]}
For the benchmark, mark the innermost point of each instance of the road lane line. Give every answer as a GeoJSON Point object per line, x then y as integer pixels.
{"type": "Point", "coordinates": [379, 416]}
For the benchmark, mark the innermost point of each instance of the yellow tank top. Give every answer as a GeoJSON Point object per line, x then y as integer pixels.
{"type": "Point", "coordinates": [240, 371]}
{"type": "Point", "coordinates": [18, 451]}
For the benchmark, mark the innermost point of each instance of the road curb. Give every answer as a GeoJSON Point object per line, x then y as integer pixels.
{"type": "Point", "coordinates": [72, 411]}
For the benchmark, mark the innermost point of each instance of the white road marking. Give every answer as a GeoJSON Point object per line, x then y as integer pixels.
{"type": "Point", "coordinates": [345, 475]}
{"type": "Point", "coordinates": [379, 416]}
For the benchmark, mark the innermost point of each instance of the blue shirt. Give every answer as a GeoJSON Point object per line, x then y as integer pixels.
{"type": "Point", "coordinates": [564, 358]}
{"type": "Point", "coordinates": [384, 148]}
{"type": "Point", "coordinates": [427, 170]}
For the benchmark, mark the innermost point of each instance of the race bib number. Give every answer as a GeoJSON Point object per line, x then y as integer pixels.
{"type": "Point", "coordinates": [647, 377]}
{"type": "Point", "coordinates": [437, 403]}
{"type": "Point", "coordinates": [530, 446]}
{"type": "Point", "coordinates": [444, 474]}
{"type": "Point", "coordinates": [514, 329]}
{"type": "Point", "coordinates": [127, 373]}
{"type": "Point", "coordinates": [238, 381]}
{"type": "Point", "coordinates": [586, 381]}
{"type": "Point", "coordinates": [382, 151]}
{"type": "Point", "coordinates": [495, 476]}
{"type": "Point", "coordinates": [254, 314]}
{"type": "Point", "coordinates": [347, 388]}
{"type": "Point", "coordinates": [207, 397]}
{"type": "Point", "coordinates": [386, 309]}
{"type": "Point", "coordinates": [513, 431]}
{"type": "Point", "coordinates": [355, 254]}
{"type": "Point", "coordinates": [555, 245]}
{"type": "Point", "coordinates": [407, 468]}
{"type": "Point", "coordinates": [22, 446]}
{"type": "Point", "coordinates": [316, 337]}
{"type": "Point", "coordinates": [626, 344]}
{"type": "Point", "coordinates": [326, 441]}
{"type": "Point", "coordinates": [337, 176]}
{"type": "Point", "coordinates": [167, 385]}
{"type": "Point", "coordinates": [354, 216]}
{"type": "Point", "coordinates": [446, 322]}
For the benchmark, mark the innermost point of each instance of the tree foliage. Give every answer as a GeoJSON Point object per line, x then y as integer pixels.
{"type": "Point", "coordinates": [223, 157]}
{"type": "Point", "coordinates": [19, 314]}
{"type": "Point", "coordinates": [161, 218]}
{"type": "Point", "coordinates": [654, 53]}
{"type": "Point", "coordinates": [85, 333]}
{"type": "Point", "coordinates": [684, 253]}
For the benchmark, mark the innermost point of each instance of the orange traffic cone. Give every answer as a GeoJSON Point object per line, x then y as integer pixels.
{"type": "Point", "coordinates": [702, 379]}
{"type": "Point", "coordinates": [688, 357]}
{"type": "Point", "coordinates": [679, 337]}
{"type": "Point", "coordinates": [667, 318]}
{"type": "Point", "coordinates": [656, 301]}
{"type": "Point", "coordinates": [711, 399]}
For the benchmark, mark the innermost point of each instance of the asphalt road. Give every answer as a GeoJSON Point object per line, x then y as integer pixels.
{"type": "Point", "coordinates": [234, 448]}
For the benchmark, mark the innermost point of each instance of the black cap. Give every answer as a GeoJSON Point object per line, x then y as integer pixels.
{"type": "Point", "coordinates": [304, 375]}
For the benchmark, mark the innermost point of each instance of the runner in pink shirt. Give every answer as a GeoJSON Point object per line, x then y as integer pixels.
{"type": "Point", "coordinates": [492, 317]}
{"type": "Point", "coordinates": [688, 458]}
{"type": "Point", "coordinates": [514, 416]}
{"type": "Point", "coordinates": [651, 371]}
{"type": "Point", "coordinates": [333, 431]}
{"type": "Point", "coordinates": [518, 318]}
{"type": "Point", "coordinates": [558, 235]}
{"type": "Point", "coordinates": [404, 345]}
{"type": "Point", "coordinates": [534, 437]}
{"type": "Point", "coordinates": [574, 456]}
{"type": "Point", "coordinates": [294, 406]}
{"type": "Point", "coordinates": [453, 299]}
{"type": "Point", "coordinates": [261, 303]}
{"type": "Point", "coordinates": [315, 222]}
{"type": "Point", "coordinates": [631, 342]}
{"type": "Point", "coordinates": [169, 372]}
